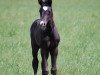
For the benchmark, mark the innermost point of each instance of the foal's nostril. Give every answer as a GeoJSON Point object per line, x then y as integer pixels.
{"type": "Point", "coordinates": [44, 24]}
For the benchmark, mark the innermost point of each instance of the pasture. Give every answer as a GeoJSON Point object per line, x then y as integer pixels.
{"type": "Point", "coordinates": [78, 22]}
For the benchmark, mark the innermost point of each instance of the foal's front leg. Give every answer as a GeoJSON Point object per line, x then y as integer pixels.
{"type": "Point", "coordinates": [44, 64]}
{"type": "Point", "coordinates": [54, 54]}
{"type": "Point", "coordinates": [35, 59]}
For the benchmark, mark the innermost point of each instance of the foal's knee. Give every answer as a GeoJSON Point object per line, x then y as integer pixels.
{"type": "Point", "coordinates": [35, 63]}
{"type": "Point", "coordinates": [44, 66]}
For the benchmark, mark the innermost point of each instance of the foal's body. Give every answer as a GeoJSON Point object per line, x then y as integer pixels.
{"type": "Point", "coordinates": [44, 38]}
{"type": "Point", "coordinates": [44, 35]}
{"type": "Point", "coordinates": [47, 40]}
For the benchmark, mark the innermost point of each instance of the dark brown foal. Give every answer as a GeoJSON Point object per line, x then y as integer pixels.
{"type": "Point", "coordinates": [44, 35]}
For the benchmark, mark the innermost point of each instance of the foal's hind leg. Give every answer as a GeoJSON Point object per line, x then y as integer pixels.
{"type": "Point", "coordinates": [35, 59]}
{"type": "Point", "coordinates": [44, 64]}
{"type": "Point", "coordinates": [54, 54]}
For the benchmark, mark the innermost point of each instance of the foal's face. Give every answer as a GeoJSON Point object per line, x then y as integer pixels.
{"type": "Point", "coordinates": [46, 15]}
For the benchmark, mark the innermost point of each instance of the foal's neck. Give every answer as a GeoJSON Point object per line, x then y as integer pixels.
{"type": "Point", "coordinates": [50, 26]}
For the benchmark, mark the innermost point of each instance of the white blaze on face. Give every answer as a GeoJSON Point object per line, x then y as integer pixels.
{"type": "Point", "coordinates": [45, 8]}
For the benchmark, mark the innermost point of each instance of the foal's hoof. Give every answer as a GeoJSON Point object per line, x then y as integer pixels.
{"type": "Point", "coordinates": [44, 72]}
{"type": "Point", "coordinates": [53, 72]}
{"type": "Point", "coordinates": [35, 73]}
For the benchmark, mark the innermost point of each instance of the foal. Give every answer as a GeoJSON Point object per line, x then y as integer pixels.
{"type": "Point", "coordinates": [44, 35]}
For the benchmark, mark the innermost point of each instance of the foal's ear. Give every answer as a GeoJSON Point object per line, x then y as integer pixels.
{"type": "Point", "coordinates": [40, 2]}
{"type": "Point", "coordinates": [49, 2]}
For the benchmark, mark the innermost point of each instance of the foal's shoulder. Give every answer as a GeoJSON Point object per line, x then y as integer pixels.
{"type": "Point", "coordinates": [36, 21]}
{"type": "Point", "coordinates": [34, 24]}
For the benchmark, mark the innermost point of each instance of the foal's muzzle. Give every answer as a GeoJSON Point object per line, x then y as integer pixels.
{"type": "Point", "coordinates": [43, 25]}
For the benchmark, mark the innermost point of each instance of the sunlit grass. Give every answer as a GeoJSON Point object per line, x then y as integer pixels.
{"type": "Point", "coordinates": [78, 22]}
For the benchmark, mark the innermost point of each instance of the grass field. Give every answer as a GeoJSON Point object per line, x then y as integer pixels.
{"type": "Point", "coordinates": [78, 22]}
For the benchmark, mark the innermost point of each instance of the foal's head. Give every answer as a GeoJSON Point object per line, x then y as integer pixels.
{"type": "Point", "coordinates": [45, 2]}
{"type": "Point", "coordinates": [46, 17]}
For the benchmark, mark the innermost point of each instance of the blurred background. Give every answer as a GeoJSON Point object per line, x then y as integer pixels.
{"type": "Point", "coordinates": [78, 22]}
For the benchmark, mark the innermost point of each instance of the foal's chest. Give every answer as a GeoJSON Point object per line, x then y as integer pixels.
{"type": "Point", "coordinates": [42, 37]}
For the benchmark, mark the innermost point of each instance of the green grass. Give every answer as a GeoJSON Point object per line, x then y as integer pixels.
{"type": "Point", "coordinates": [78, 22]}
